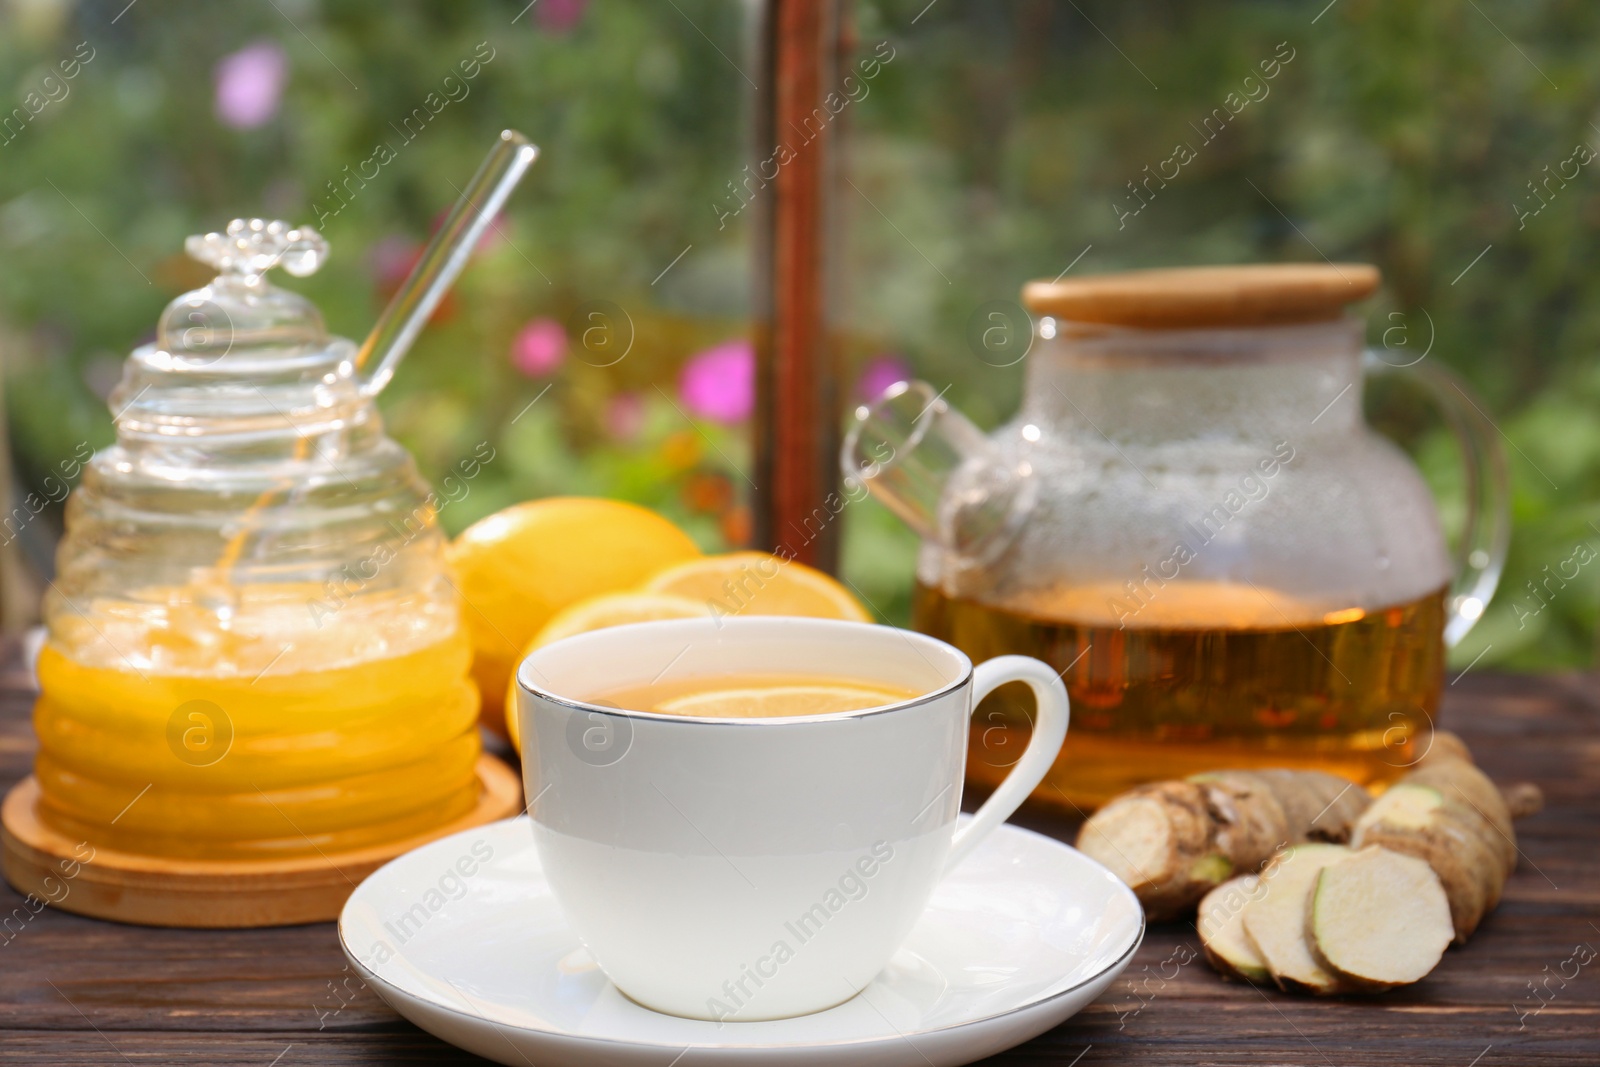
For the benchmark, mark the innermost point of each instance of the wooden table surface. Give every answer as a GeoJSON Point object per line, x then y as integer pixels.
{"type": "Point", "coordinates": [81, 991]}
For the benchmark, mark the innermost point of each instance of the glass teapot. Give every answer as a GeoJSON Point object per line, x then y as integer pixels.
{"type": "Point", "coordinates": [1191, 520]}
{"type": "Point", "coordinates": [254, 650]}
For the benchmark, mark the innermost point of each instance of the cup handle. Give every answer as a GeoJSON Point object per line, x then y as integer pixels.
{"type": "Point", "coordinates": [1481, 554]}
{"type": "Point", "coordinates": [1049, 731]}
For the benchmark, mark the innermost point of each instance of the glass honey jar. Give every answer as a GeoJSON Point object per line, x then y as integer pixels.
{"type": "Point", "coordinates": [254, 649]}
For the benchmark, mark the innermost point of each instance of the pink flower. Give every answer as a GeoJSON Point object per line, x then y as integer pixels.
{"type": "Point", "coordinates": [249, 85]}
{"type": "Point", "coordinates": [539, 348]}
{"type": "Point", "coordinates": [559, 16]}
{"type": "Point", "coordinates": [391, 259]}
{"type": "Point", "coordinates": [625, 416]}
{"type": "Point", "coordinates": [881, 372]}
{"type": "Point", "coordinates": [719, 383]}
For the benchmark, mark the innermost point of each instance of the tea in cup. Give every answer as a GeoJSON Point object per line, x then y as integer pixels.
{"type": "Point", "coordinates": [743, 818]}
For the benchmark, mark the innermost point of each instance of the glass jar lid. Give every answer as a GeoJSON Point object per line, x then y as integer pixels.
{"type": "Point", "coordinates": [239, 354]}
{"type": "Point", "coordinates": [240, 308]}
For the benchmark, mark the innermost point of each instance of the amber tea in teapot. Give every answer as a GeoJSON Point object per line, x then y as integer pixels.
{"type": "Point", "coordinates": [1190, 519]}
{"type": "Point", "coordinates": [1158, 698]}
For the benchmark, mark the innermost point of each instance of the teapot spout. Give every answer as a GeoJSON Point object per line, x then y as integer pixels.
{"type": "Point", "coordinates": [938, 472]}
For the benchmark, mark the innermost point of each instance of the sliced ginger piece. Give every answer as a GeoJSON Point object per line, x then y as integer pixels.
{"type": "Point", "coordinates": [1379, 918]}
{"type": "Point", "coordinates": [1415, 820]}
{"type": "Point", "coordinates": [1222, 935]}
{"type": "Point", "coordinates": [1450, 835]}
{"type": "Point", "coordinates": [1157, 839]}
{"type": "Point", "coordinates": [1276, 920]}
{"type": "Point", "coordinates": [1173, 842]}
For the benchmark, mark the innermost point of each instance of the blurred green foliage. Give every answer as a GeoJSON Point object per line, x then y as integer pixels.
{"type": "Point", "coordinates": [636, 113]}
{"type": "Point", "coordinates": [996, 145]}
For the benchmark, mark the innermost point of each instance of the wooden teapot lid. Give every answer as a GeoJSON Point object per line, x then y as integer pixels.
{"type": "Point", "coordinates": [1187, 297]}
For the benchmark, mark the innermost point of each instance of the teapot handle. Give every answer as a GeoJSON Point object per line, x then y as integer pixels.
{"type": "Point", "coordinates": [1486, 537]}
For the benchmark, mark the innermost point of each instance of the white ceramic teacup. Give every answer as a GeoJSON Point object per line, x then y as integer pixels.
{"type": "Point", "coordinates": [749, 869]}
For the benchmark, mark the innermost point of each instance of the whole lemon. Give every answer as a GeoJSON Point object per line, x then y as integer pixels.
{"type": "Point", "coordinates": [518, 567]}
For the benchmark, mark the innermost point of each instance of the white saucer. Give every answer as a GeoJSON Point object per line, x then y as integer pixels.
{"type": "Point", "coordinates": [1022, 935]}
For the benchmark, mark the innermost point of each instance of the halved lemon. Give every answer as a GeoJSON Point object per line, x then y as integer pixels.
{"type": "Point", "coordinates": [778, 701]}
{"type": "Point", "coordinates": [517, 568]}
{"type": "Point", "coordinates": [597, 613]}
{"type": "Point", "coordinates": [614, 609]}
{"type": "Point", "coordinates": [758, 583]}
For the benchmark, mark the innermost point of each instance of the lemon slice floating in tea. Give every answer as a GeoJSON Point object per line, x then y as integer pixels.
{"type": "Point", "coordinates": [778, 701]}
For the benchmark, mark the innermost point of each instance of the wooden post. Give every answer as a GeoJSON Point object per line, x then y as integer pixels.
{"type": "Point", "coordinates": [796, 379]}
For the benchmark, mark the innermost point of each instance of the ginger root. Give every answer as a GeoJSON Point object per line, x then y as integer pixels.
{"type": "Point", "coordinates": [1448, 814]}
{"type": "Point", "coordinates": [1327, 919]}
{"type": "Point", "coordinates": [1427, 861]}
{"type": "Point", "coordinates": [1220, 922]}
{"type": "Point", "coordinates": [1173, 842]}
{"type": "Point", "coordinates": [1278, 920]}
{"type": "Point", "coordinates": [1378, 919]}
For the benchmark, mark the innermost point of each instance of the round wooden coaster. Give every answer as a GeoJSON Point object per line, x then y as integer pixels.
{"type": "Point", "coordinates": [158, 891]}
